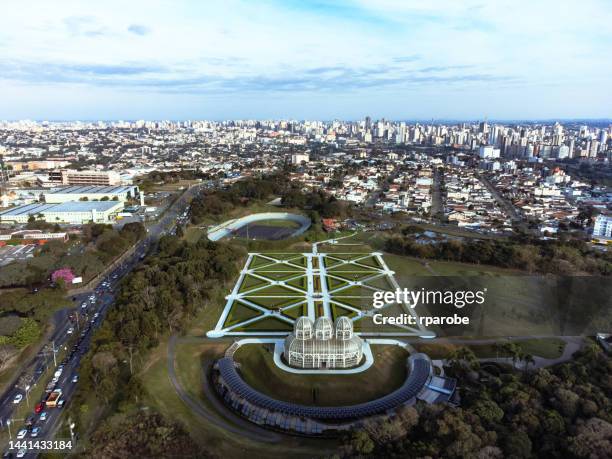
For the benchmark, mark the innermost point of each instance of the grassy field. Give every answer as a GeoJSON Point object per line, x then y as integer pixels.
{"type": "Point", "coordinates": [162, 396]}
{"type": "Point", "coordinates": [386, 374]}
{"type": "Point", "coordinates": [193, 234]}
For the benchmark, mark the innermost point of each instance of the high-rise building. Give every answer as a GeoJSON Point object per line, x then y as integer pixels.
{"type": "Point", "coordinates": [572, 147]}
{"type": "Point", "coordinates": [603, 226]}
{"type": "Point", "coordinates": [563, 152]}
{"type": "Point", "coordinates": [487, 151]}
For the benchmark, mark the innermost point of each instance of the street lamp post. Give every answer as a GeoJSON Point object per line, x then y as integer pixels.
{"type": "Point", "coordinates": [72, 425]}
{"type": "Point", "coordinates": [53, 349]}
{"type": "Point", "coordinates": [8, 424]}
{"type": "Point", "coordinates": [27, 392]}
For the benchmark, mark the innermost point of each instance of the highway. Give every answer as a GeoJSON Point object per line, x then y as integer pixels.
{"type": "Point", "coordinates": [86, 320]}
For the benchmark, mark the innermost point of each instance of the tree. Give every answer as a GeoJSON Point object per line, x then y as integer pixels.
{"type": "Point", "coordinates": [361, 442]}
{"type": "Point", "coordinates": [593, 439]}
{"type": "Point", "coordinates": [462, 359]}
{"type": "Point", "coordinates": [528, 359]}
{"type": "Point", "coordinates": [517, 445]}
{"type": "Point", "coordinates": [489, 411]}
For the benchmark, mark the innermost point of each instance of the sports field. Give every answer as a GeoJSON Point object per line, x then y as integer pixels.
{"type": "Point", "coordinates": [274, 289]}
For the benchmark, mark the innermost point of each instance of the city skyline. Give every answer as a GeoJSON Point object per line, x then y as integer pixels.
{"type": "Point", "coordinates": [305, 60]}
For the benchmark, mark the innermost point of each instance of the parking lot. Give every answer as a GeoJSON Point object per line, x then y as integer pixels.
{"type": "Point", "coordinates": [10, 253]}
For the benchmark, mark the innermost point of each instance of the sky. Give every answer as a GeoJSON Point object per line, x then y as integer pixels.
{"type": "Point", "coordinates": [300, 59]}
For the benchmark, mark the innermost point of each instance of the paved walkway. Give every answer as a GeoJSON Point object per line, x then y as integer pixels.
{"type": "Point", "coordinates": [572, 345]}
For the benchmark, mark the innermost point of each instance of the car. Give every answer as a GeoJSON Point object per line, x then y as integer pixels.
{"type": "Point", "coordinates": [35, 432]}
{"type": "Point", "coordinates": [70, 331]}
{"type": "Point", "coordinates": [84, 305]}
{"type": "Point", "coordinates": [39, 407]}
{"type": "Point", "coordinates": [43, 416]}
{"type": "Point", "coordinates": [29, 422]}
{"type": "Point", "coordinates": [60, 403]}
{"type": "Point", "coordinates": [18, 398]}
{"type": "Point", "coordinates": [22, 452]}
{"type": "Point", "coordinates": [55, 379]}
{"type": "Point", "coordinates": [96, 315]}
{"type": "Point", "coordinates": [75, 378]}
{"type": "Point", "coordinates": [21, 434]}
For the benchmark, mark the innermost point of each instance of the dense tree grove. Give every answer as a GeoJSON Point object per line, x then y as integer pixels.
{"type": "Point", "coordinates": [160, 296]}
{"type": "Point", "coordinates": [532, 255]}
{"type": "Point", "coordinates": [560, 412]}
{"type": "Point", "coordinates": [241, 193]}
{"type": "Point", "coordinates": [244, 192]}
{"type": "Point", "coordinates": [149, 435]}
{"type": "Point", "coordinates": [317, 201]}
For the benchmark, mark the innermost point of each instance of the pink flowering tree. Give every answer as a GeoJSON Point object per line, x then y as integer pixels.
{"type": "Point", "coordinates": [64, 274]}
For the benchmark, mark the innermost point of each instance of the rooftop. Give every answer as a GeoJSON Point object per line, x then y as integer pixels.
{"type": "Point", "coordinates": [90, 189]}
{"type": "Point", "coordinates": [79, 206]}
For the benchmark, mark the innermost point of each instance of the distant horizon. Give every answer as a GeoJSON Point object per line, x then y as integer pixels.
{"type": "Point", "coordinates": [324, 120]}
{"type": "Point", "coordinates": [317, 59]}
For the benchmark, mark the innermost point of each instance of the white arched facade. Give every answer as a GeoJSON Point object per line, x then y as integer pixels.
{"type": "Point", "coordinates": [323, 345]}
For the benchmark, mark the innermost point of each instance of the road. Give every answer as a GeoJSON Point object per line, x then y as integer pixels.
{"type": "Point", "coordinates": [502, 201]}
{"type": "Point", "coordinates": [437, 207]}
{"type": "Point", "coordinates": [104, 295]}
{"type": "Point", "coordinates": [572, 345]}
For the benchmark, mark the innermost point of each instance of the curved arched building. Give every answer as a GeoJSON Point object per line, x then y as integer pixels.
{"type": "Point", "coordinates": [323, 344]}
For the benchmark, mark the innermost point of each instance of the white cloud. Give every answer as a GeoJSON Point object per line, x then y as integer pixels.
{"type": "Point", "coordinates": [390, 48]}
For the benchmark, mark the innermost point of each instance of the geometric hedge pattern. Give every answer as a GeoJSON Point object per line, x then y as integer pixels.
{"type": "Point", "coordinates": [274, 289]}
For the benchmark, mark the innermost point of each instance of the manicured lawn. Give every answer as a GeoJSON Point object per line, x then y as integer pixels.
{"type": "Point", "coordinates": [386, 374]}
{"type": "Point", "coordinates": [275, 303]}
{"type": "Point", "coordinates": [240, 313]}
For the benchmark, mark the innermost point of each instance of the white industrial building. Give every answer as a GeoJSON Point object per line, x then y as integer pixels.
{"type": "Point", "coordinates": [76, 213]}
{"type": "Point", "coordinates": [90, 193]}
